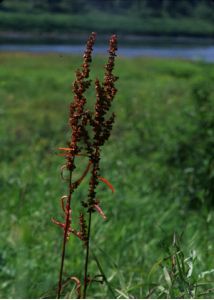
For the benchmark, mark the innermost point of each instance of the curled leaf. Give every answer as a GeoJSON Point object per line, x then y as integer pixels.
{"type": "Point", "coordinates": [78, 286]}
{"type": "Point", "coordinates": [63, 203]}
{"type": "Point", "coordinates": [61, 173]}
{"type": "Point", "coordinates": [107, 183]}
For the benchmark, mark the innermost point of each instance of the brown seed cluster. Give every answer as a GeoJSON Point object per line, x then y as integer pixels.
{"type": "Point", "coordinates": [100, 120]}
{"type": "Point", "coordinates": [105, 94]}
{"type": "Point", "coordinates": [102, 123]}
{"type": "Point", "coordinates": [80, 121]}
{"type": "Point", "coordinates": [83, 228]}
{"type": "Point", "coordinates": [78, 118]}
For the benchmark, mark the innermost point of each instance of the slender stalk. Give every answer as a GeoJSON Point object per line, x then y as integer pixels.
{"type": "Point", "coordinates": [87, 257]}
{"type": "Point", "coordinates": [65, 237]}
{"type": "Point", "coordinates": [61, 268]}
{"type": "Point", "coordinates": [91, 200]}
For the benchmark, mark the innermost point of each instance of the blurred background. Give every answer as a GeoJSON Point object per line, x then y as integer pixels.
{"type": "Point", "coordinates": [158, 239]}
{"type": "Point", "coordinates": [167, 28]}
{"type": "Point", "coordinates": [135, 17]}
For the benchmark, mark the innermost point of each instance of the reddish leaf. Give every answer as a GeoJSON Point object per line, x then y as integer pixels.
{"type": "Point", "coordinates": [69, 149]}
{"type": "Point", "coordinates": [78, 181]}
{"type": "Point", "coordinates": [100, 211]}
{"type": "Point", "coordinates": [65, 149]}
{"type": "Point", "coordinates": [58, 223]}
{"type": "Point", "coordinates": [107, 183]}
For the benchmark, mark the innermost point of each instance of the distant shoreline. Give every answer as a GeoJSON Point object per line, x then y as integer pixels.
{"type": "Point", "coordinates": [13, 37]}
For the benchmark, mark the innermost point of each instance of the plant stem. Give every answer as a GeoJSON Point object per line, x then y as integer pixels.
{"type": "Point", "coordinates": [91, 192]}
{"type": "Point", "coordinates": [61, 268]}
{"type": "Point", "coordinates": [65, 238]}
{"type": "Point", "coordinates": [87, 257]}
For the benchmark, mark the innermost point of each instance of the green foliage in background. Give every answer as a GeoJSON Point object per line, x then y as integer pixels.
{"type": "Point", "coordinates": [198, 8]}
{"type": "Point", "coordinates": [147, 17]}
{"type": "Point", "coordinates": [158, 239]}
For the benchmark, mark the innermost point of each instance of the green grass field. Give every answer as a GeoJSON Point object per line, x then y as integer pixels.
{"type": "Point", "coordinates": [159, 159]}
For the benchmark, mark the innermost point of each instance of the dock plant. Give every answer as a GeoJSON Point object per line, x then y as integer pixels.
{"type": "Point", "coordinates": [90, 129]}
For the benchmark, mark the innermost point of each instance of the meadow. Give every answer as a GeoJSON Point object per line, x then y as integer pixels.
{"type": "Point", "coordinates": [158, 238]}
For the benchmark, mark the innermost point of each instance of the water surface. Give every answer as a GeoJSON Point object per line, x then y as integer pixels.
{"type": "Point", "coordinates": [203, 53]}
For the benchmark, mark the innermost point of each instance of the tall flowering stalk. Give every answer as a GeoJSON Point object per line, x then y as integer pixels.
{"type": "Point", "coordinates": [102, 126]}
{"type": "Point", "coordinates": [83, 143]}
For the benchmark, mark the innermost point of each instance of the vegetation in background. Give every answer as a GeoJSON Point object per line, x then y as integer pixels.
{"type": "Point", "coordinates": [147, 17]}
{"type": "Point", "coordinates": [160, 149]}
{"type": "Point", "coordinates": [198, 8]}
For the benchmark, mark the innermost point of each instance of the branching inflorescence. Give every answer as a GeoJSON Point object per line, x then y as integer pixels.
{"type": "Point", "coordinates": [89, 131]}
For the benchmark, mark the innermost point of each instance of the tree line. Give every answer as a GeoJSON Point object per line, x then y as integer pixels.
{"type": "Point", "coordinates": [154, 8]}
